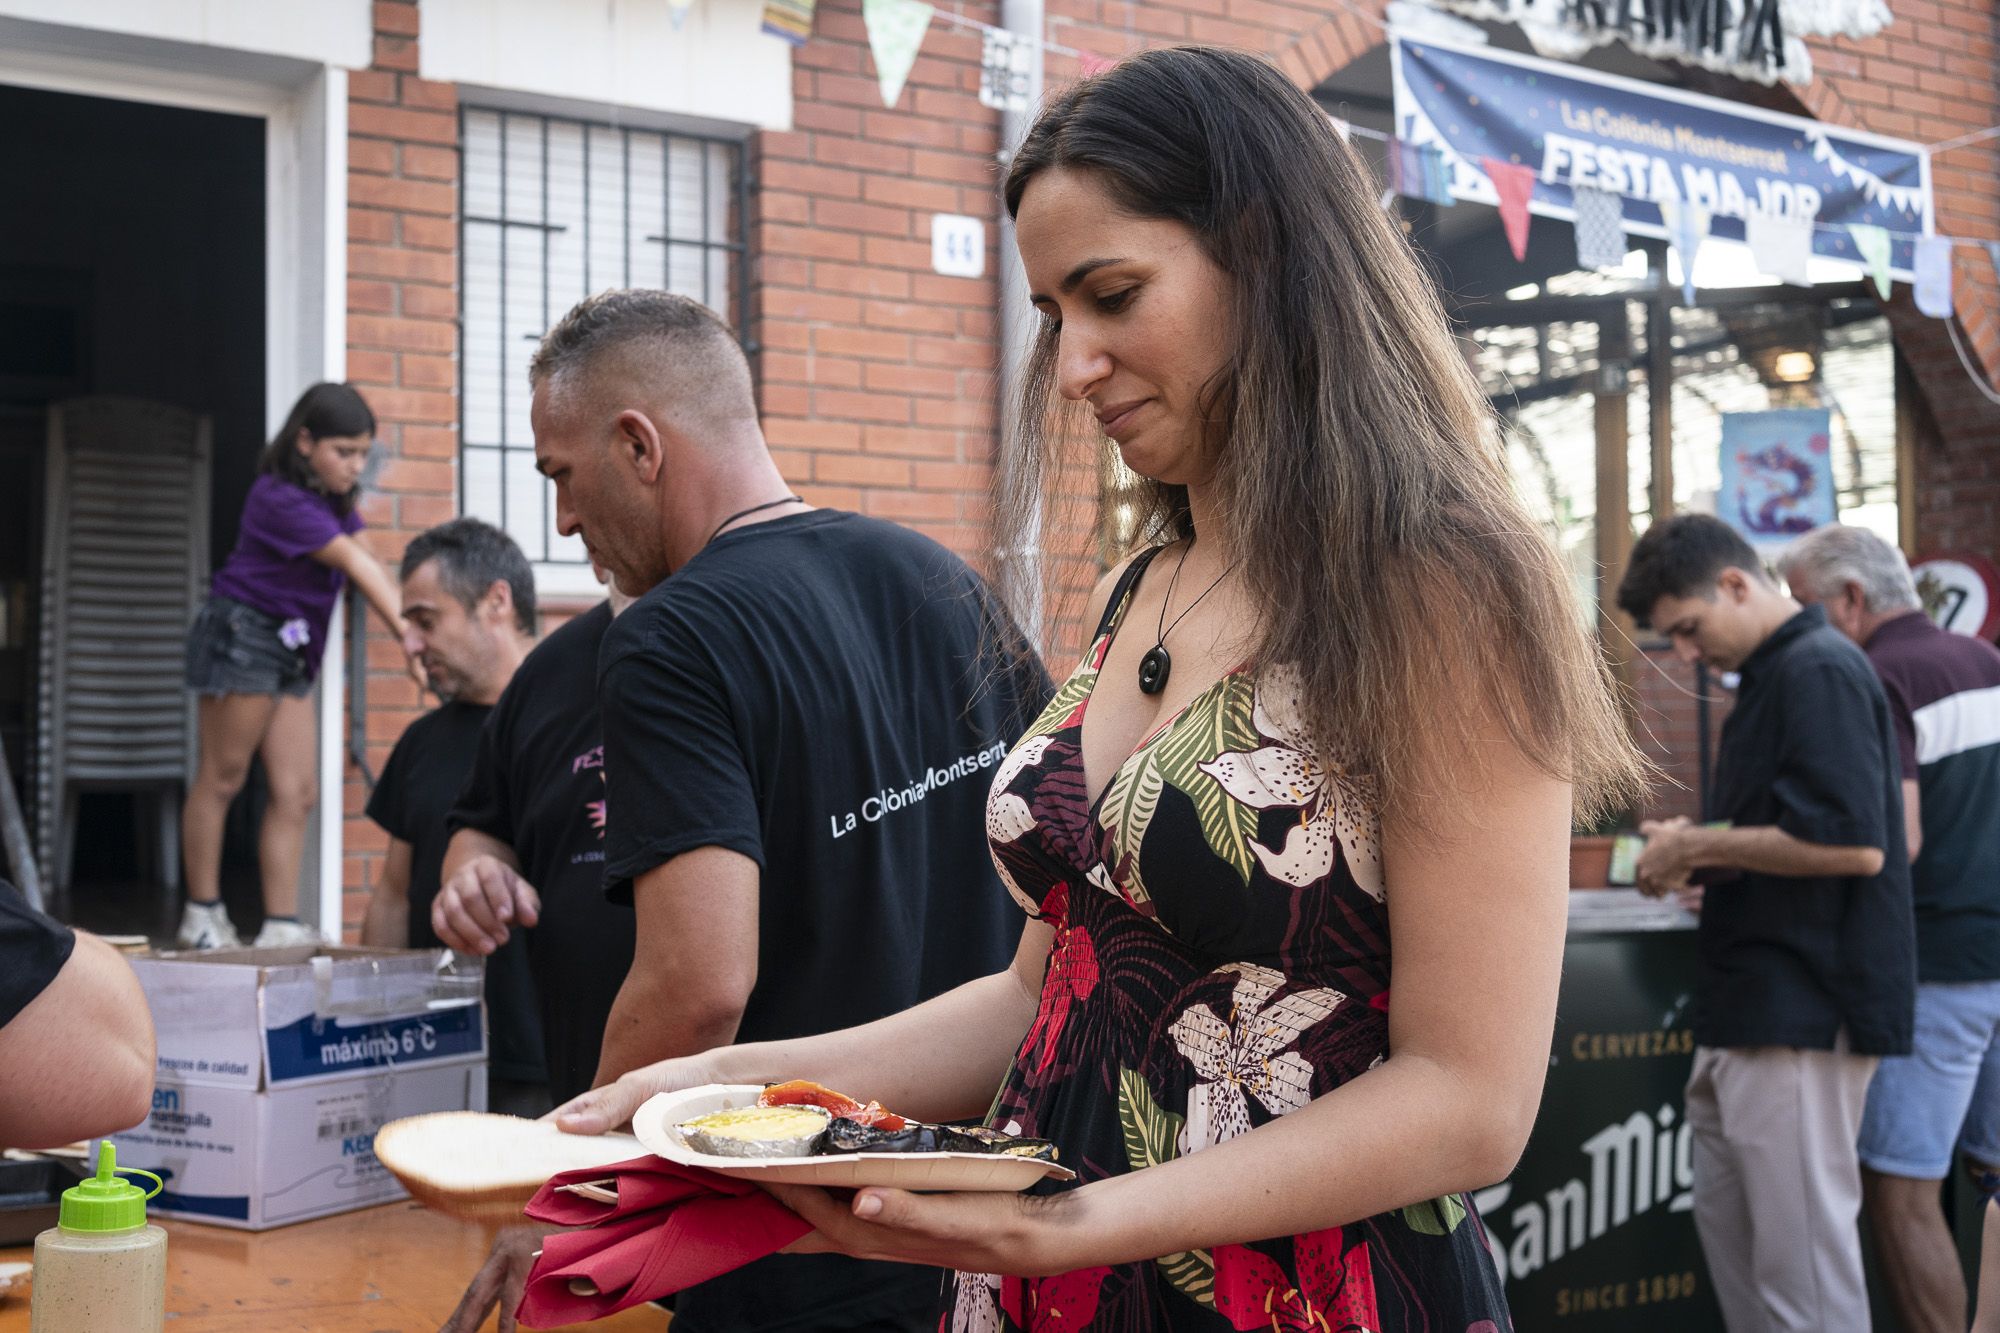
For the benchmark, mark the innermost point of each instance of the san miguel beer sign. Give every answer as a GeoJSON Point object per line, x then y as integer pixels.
{"type": "Point", "coordinates": [1762, 40]}
{"type": "Point", "coordinates": [1595, 1229]}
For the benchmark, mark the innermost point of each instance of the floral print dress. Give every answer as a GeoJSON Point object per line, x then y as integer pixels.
{"type": "Point", "coordinates": [1221, 958]}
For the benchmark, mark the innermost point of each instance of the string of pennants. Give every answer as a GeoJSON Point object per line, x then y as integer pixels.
{"type": "Point", "coordinates": [1779, 246]}
{"type": "Point", "coordinates": [896, 31]}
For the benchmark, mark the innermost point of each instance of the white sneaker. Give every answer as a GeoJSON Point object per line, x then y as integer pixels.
{"type": "Point", "coordinates": [284, 934]}
{"type": "Point", "coordinates": [206, 926]}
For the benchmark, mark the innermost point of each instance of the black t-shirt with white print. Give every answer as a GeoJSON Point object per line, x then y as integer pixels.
{"type": "Point", "coordinates": [829, 695]}
{"type": "Point", "coordinates": [537, 784]}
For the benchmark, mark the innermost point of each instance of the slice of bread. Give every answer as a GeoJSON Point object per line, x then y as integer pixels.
{"type": "Point", "coordinates": [485, 1168]}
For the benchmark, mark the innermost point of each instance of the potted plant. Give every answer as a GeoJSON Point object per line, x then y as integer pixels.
{"type": "Point", "coordinates": [1590, 851]}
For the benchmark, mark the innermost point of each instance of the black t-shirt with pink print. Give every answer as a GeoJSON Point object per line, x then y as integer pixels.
{"type": "Point", "coordinates": [538, 786]}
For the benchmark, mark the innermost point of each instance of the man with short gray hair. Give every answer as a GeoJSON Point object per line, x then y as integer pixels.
{"type": "Point", "coordinates": [1944, 698]}
{"type": "Point", "coordinates": [801, 718]}
{"type": "Point", "coordinates": [469, 616]}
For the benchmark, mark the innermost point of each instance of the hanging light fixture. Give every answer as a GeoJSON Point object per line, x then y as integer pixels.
{"type": "Point", "coordinates": [1794, 367]}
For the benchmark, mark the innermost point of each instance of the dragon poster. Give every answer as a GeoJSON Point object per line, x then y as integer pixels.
{"type": "Point", "coordinates": [1777, 474]}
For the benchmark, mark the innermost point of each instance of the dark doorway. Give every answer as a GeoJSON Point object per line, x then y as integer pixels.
{"type": "Point", "coordinates": [131, 263]}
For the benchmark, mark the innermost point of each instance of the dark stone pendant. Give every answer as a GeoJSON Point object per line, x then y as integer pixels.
{"type": "Point", "coordinates": [1154, 669]}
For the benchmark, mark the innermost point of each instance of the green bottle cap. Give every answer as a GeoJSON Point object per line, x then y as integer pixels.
{"type": "Point", "coordinates": [104, 1202]}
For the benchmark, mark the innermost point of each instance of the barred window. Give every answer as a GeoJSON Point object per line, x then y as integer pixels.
{"type": "Point", "coordinates": [556, 209]}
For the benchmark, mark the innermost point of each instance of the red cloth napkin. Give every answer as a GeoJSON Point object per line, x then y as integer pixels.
{"type": "Point", "coordinates": [673, 1226]}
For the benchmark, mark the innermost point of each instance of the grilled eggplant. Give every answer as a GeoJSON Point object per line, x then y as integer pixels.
{"type": "Point", "coordinates": [852, 1136]}
{"type": "Point", "coordinates": [980, 1139]}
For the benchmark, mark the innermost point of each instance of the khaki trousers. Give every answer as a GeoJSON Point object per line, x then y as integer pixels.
{"type": "Point", "coordinates": [1777, 1187]}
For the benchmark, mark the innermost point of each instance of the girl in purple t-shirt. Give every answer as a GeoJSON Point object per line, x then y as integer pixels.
{"type": "Point", "coordinates": [254, 653]}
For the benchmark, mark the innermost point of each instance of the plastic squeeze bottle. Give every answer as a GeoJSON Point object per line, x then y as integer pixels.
{"type": "Point", "coordinates": [101, 1267]}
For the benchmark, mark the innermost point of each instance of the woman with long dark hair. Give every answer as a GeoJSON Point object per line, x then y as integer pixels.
{"type": "Point", "coordinates": [1293, 836]}
{"type": "Point", "coordinates": [254, 653]}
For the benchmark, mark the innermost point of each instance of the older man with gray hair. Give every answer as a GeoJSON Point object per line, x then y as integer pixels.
{"type": "Point", "coordinates": [1944, 697]}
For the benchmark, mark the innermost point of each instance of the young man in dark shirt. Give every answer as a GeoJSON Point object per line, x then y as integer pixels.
{"type": "Point", "coordinates": [1807, 953]}
{"type": "Point", "coordinates": [800, 721]}
{"type": "Point", "coordinates": [469, 614]}
{"type": "Point", "coordinates": [1944, 1097]}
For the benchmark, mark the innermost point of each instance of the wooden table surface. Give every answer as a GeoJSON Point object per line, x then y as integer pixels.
{"type": "Point", "coordinates": [392, 1269]}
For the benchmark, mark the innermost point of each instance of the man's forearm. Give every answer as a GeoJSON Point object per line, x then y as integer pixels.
{"type": "Point", "coordinates": [387, 923]}
{"type": "Point", "coordinates": [1769, 850]}
{"type": "Point", "coordinates": [650, 1021]}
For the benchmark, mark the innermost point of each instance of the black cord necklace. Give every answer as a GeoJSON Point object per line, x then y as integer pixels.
{"type": "Point", "coordinates": [1158, 663]}
{"type": "Point", "coordinates": [753, 509]}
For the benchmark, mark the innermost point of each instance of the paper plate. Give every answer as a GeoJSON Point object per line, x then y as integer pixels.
{"type": "Point", "coordinates": [655, 1125]}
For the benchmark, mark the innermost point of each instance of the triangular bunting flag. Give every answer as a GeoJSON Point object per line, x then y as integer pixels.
{"type": "Point", "coordinates": [1419, 171]}
{"type": "Point", "coordinates": [1094, 64]}
{"type": "Point", "coordinates": [1687, 228]}
{"type": "Point", "coordinates": [1437, 176]}
{"type": "Point", "coordinates": [1781, 247]}
{"type": "Point", "coordinates": [1600, 228]}
{"type": "Point", "coordinates": [789, 19]}
{"type": "Point", "coordinates": [1516, 186]}
{"type": "Point", "coordinates": [1005, 64]}
{"type": "Point", "coordinates": [895, 32]}
{"type": "Point", "coordinates": [677, 12]}
{"type": "Point", "coordinates": [1872, 244]}
{"type": "Point", "coordinates": [1399, 159]}
{"type": "Point", "coordinates": [1933, 271]}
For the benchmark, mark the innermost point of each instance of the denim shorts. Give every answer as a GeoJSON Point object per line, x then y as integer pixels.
{"type": "Point", "coordinates": [1945, 1093]}
{"type": "Point", "coordinates": [236, 649]}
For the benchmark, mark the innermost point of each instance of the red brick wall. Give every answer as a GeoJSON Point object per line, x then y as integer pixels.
{"type": "Point", "coordinates": [402, 350]}
{"type": "Point", "coordinates": [878, 374]}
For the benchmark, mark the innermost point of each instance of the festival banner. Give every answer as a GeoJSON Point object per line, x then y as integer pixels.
{"type": "Point", "coordinates": [1777, 474]}
{"type": "Point", "coordinates": [1646, 142]}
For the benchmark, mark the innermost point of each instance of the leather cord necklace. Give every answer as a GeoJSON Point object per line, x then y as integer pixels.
{"type": "Point", "coordinates": [1158, 663]}
{"type": "Point", "coordinates": [753, 509]}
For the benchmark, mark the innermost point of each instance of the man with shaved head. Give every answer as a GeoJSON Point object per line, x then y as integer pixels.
{"type": "Point", "coordinates": [800, 722]}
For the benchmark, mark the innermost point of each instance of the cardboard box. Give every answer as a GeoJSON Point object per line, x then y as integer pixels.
{"type": "Point", "coordinates": [277, 1066]}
